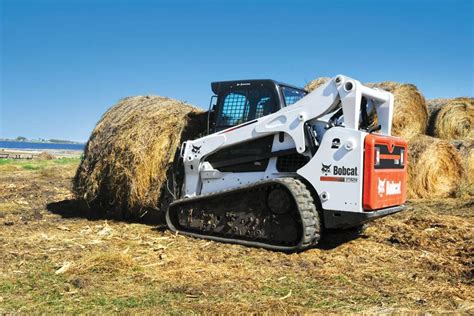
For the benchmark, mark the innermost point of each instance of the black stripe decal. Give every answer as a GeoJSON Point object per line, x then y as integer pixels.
{"type": "Point", "coordinates": [238, 126]}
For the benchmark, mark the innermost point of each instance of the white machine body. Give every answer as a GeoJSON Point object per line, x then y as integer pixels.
{"type": "Point", "coordinates": [335, 170]}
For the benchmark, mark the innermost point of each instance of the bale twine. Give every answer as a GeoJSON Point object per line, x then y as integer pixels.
{"type": "Point", "coordinates": [451, 118]}
{"type": "Point", "coordinates": [125, 163]}
{"type": "Point", "coordinates": [466, 149]}
{"type": "Point", "coordinates": [435, 168]}
{"type": "Point", "coordinates": [410, 115]}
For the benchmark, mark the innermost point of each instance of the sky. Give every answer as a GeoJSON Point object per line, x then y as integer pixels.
{"type": "Point", "coordinates": [63, 63]}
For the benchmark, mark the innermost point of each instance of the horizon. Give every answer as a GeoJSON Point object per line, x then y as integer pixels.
{"type": "Point", "coordinates": [65, 63]}
{"type": "Point", "coordinates": [22, 139]}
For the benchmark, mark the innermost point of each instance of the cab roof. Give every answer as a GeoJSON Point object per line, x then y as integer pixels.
{"type": "Point", "coordinates": [220, 86]}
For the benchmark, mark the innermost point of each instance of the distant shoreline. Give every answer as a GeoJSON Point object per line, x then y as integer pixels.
{"type": "Point", "coordinates": [36, 141]}
{"type": "Point", "coordinates": [34, 147]}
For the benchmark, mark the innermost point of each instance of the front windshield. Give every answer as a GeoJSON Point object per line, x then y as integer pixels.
{"type": "Point", "coordinates": [292, 95]}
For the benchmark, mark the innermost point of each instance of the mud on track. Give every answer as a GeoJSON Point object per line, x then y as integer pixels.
{"type": "Point", "coordinates": [58, 257]}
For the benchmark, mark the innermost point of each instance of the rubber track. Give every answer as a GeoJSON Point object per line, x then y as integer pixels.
{"type": "Point", "coordinates": [309, 215]}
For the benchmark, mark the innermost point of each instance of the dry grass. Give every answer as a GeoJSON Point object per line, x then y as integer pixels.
{"type": "Point", "coordinates": [129, 152]}
{"type": "Point", "coordinates": [419, 260]}
{"type": "Point", "coordinates": [410, 115]}
{"type": "Point", "coordinates": [435, 169]}
{"type": "Point", "coordinates": [452, 118]}
{"type": "Point", "coordinates": [102, 263]}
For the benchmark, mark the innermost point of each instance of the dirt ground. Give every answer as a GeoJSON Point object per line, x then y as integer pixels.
{"type": "Point", "coordinates": [58, 257]}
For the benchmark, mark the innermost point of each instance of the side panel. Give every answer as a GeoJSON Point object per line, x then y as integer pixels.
{"type": "Point", "coordinates": [385, 172]}
{"type": "Point", "coordinates": [225, 179]}
{"type": "Point", "coordinates": [336, 170]}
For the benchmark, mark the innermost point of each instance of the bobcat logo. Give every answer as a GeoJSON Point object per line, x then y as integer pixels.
{"type": "Point", "coordinates": [196, 149]}
{"type": "Point", "coordinates": [381, 187]}
{"type": "Point", "coordinates": [389, 188]}
{"type": "Point", "coordinates": [326, 168]}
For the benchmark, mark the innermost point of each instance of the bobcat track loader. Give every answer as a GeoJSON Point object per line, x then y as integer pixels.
{"type": "Point", "coordinates": [279, 165]}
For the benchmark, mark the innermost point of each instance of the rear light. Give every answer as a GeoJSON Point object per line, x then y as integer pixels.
{"type": "Point", "coordinates": [377, 156]}
{"type": "Point", "coordinates": [402, 157]}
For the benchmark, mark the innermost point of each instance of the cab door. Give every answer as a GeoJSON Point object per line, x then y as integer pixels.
{"type": "Point", "coordinates": [240, 105]}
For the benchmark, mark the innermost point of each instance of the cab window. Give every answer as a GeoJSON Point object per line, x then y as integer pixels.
{"type": "Point", "coordinates": [292, 95]}
{"type": "Point", "coordinates": [234, 109]}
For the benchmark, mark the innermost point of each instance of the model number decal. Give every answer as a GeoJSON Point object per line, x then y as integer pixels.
{"type": "Point", "coordinates": [338, 179]}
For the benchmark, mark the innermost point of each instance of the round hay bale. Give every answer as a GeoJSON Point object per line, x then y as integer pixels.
{"type": "Point", "coordinates": [436, 103]}
{"type": "Point", "coordinates": [451, 118]}
{"type": "Point", "coordinates": [435, 169]}
{"type": "Point", "coordinates": [127, 157]}
{"type": "Point", "coordinates": [46, 156]}
{"type": "Point", "coordinates": [410, 115]}
{"type": "Point", "coordinates": [314, 84]}
{"type": "Point", "coordinates": [466, 149]}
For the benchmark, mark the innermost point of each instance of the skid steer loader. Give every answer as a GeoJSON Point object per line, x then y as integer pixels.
{"type": "Point", "coordinates": [279, 165]}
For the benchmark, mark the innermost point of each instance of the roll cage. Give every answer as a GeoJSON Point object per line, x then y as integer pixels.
{"type": "Point", "coordinates": [237, 102]}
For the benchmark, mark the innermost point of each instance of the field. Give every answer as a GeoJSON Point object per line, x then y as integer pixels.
{"type": "Point", "coordinates": [58, 257]}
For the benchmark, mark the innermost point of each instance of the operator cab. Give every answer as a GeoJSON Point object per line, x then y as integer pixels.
{"type": "Point", "coordinates": [237, 102]}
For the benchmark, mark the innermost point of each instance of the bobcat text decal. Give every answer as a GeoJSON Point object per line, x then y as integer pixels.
{"type": "Point", "coordinates": [339, 171]}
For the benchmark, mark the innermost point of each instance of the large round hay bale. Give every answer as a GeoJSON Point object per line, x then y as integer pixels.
{"type": "Point", "coordinates": [435, 169]}
{"type": "Point", "coordinates": [451, 118]}
{"type": "Point", "coordinates": [410, 115]}
{"type": "Point", "coordinates": [129, 152]}
{"type": "Point", "coordinates": [466, 149]}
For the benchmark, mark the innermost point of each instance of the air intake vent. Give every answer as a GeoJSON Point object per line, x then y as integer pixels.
{"type": "Point", "coordinates": [291, 163]}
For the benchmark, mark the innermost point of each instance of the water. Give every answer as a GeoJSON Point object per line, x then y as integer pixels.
{"type": "Point", "coordinates": [39, 146]}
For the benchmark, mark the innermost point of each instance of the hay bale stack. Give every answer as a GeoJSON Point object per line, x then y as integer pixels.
{"type": "Point", "coordinates": [451, 118]}
{"type": "Point", "coordinates": [129, 152]}
{"type": "Point", "coordinates": [410, 116]}
{"type": "Point", "coordinates": [466, 149]}
{"type": "Point", "coordinates": [435, 169]}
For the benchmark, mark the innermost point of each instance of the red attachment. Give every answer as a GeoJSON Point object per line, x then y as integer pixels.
{"type": "Point", "coordinates": [385, 172]}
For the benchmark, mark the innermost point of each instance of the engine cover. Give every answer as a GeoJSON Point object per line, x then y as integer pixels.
{"type": "Point", "coordinates": [385, 172]}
